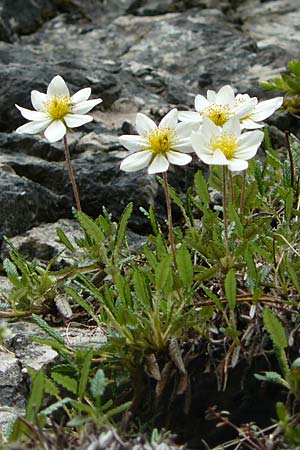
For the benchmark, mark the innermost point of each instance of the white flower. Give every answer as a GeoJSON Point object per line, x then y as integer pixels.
{"type": "Point", "coordinates": [218, 107]}
{"type": "Point", "coordinates": [57, 111]}
{"type": "Point", "coordinates": [157, 147]}
{"type": "Point", "coordinates": [250, 111]}
{"type": "Point", "coordinates": [221, 106]}
{"type": "Point", "coordinates": [226, 146]}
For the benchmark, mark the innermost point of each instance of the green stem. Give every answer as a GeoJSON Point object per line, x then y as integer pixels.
{"type": "Point", "coordinates": [292, 166]}
{"type": "Point", "coordinates": [170, 222]}
{"type": "Point", "coordinates": [71, 174]}
{"type": "Point", "coordinates": [232, 193]}
{"type": "Point", "coordinates": [225, 217]}
{"type": "Point", "coordinates": [243, 193]}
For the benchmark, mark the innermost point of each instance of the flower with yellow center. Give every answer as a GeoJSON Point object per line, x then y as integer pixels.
{"type": "Point", "coordinates": [250, 112]}
{"type": "Point", "coordinates": [155, 146]}
{"type": "Point", "coordinates": [217, 106]}
{"type": "Point", "coordinates": [57, 111]}
{"type": "Point", "coordinates": [226, 146]}
{"type": "Point", "coordinates": [221, 106]}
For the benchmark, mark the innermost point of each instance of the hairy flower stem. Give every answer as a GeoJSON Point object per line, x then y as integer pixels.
{"type": "Point", "coordinates": [232, 194]}
{"type": "Point", "coordinates": [292, 166]}
{"type": "Point", "coordinates": [170, 222]}
{"type": "Point", "coordinates": [71, 174]}
{"type": "Point", "coordinates": [243, 193]}
{"type": "Point", "coordinates": [225, 217]}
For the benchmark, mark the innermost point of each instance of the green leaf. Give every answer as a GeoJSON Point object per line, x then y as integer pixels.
{"type": "Point", "coordinates": [294, 66]}
{"type": "Point", "coordinates": [275, 329]}
{"type": "Point", "coordinates": [230, 289]}
{"type": "Point", "coordinates": [201, 187]}
{"type": "Point", "coordinates": [123, 289]}
{"type": "Point", "coordinates": [90, 227]}
{"type": "Point", "coordinates": [273, 377]}
{"type": "Point", "coordinates": [234, 217]}
{"type": "Point", "coordinates": [289, 201]}
{"type": "Point", "coordinates": [84, 375]}
{"type": "Point", "coordinates": [162, 272]}
{"type": "Point", "coordinates": [55, 406]}
{"type": "Point", "coordinates": [36, 396]}
{"type": "Point", "coordinates": [12, 273]}
{"type": "Point", "coordinates": [185, 266]}
{"type": "Point", "coordinates": [141, 288]}
{"type": "Point", "coordinates": [67, 382]}
{"type": "Point", "coordinates": [98, 384]}
{"type": "Point", "coordinates": [153, 221]}
{"type": "Point", "coordinates": [122, 226]}
{"type": "Point", "coordinates": [118, 409]}
{"type": "Point", "coordinates": [50, 331]}
{"type": "Point", "coordinates": [293, 275]}
{"type": "Point", "coordinates": [64, 240]}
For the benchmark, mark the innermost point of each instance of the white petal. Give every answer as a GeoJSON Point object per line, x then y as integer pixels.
{"type": "Point", "coordinates": [232, 126]}
{"type": "Point", "coordinates": [180, 159]}
{"type": "Point", "coordinates": [133, 142]}
{"type": "Point", "coordinates": [170, 120]}
{"type": "Point", "coordinates": [216, 158]}
{"type": "Point", "coordinates": [32, 115]}
{"type": "Point", "coordinates": [219, 158]}
{"type": "Point", "coordinates": [250, 124]}
{"type": "Point", "coordinates": [201, 103]}
{"type": "Point", "coordinates": [266, 108]}
{"type": "Point", "coordinates": [33, 127]}
{"type": "Point", "coordinates": [144, 124]}
{"type": "Point", "coordinates": [225, 96]}
{"type": "Point", "coordinates": [56, 131]}
{"type": "Point", "coordinates": [183, 145]}
{"type": "Point", "coordinates": [210, 128]}
{"type": "Point", "coordinates": [244, 109]}
{"type": "Point", "coordinates": [38, 100]}
{"type": "Point", "coordinates": [136, 161]}
{"type": "Point", "coordinates": [76, 120]}
{"type": "Point", "coordinates": [189, 116]}
{"type": "Point", "coordinates": [159, 164]}
{"type": "Point", "coordinates": [184, 129]}
{"type": "Point", "coordinates": [211, 96]}
{"type": "Point", "coordinates": [236, 165]}
{"type": "Point", "coordinates": [81, 96]}
{"type": "Point", "coordinates": [57, 87]}
{"type": "Point", "coordinates": [248, 144]}
{"type": "Point", "coordinates": [200, 145]}
{"type": "Point", "coordinates": [86, 106]}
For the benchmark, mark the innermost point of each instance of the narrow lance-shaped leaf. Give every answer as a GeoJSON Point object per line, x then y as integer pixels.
{"type": "Point", "coordinates": [64, 240]}
{"type": "Point", "coordinates": [70, 384]}
{"type": "Point", "coordinates": [230, 289]}
{"type": "Point", "coordinates": [141, 288]}
{"type": "Point", "coordinates": [121, 229]}
{"type": "Point", "coordinates": [275, 329]}
{"type": "Point", "coordinates": [162, 272]}
{"type": "Point", "coordinates": [84, 375]}
{"type": "Point", "coordinates": [185, 266]}
{"type": "Point", "coordinates": [201, 187]}
{"type": "Point", "coordinates": [98, 384]}
{"type": "Point", "coordinates": [36, 396]}
{"type": "Point", "coordinates": [90, 227]}
{"type": "Point", "coordinates": [50, 331]}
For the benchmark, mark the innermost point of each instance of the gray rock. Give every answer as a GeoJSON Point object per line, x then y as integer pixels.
{"type": "Point", "coordinates": [25, 204]}
{"type": "Point", "coordinates": [137, 55]}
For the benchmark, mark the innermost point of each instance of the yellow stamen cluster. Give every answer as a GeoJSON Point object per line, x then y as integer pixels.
{"type": "Point", "coordinates": [226, 143]}
{"type": "Point", "coordinates": [219, 114]}
{"type": "Point", "coordinates": [160, 140]}
{"type": "Point", "coordinates": [58, 106]}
